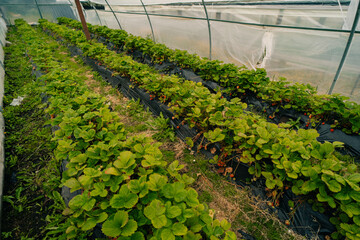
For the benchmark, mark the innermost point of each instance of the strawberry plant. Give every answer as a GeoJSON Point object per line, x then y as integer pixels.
{"type": "Point", "coordinates": [297, 96]}
{"type": "Point", "coordinates": [282, 156]}
{"type": "Point", "coordinates": [125, 184]}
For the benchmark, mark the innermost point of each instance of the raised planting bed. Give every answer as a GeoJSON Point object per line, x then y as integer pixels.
{"type": "Point", "coordinates": [284, 157]}
{"type": "Point", "coordinates": [32, 175]}
{"type": "Point", "coordinates": [239, 81]}
{"type": "Point", "coordinates": [272, 111]}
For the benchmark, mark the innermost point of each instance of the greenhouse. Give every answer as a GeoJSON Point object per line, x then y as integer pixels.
{"type": "Point", "coordinates": [186, 119]}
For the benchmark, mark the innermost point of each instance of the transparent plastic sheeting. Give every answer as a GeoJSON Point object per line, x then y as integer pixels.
{"type": "Point", "coordinates": [303, 43]}
{"type": "Point", "coordinates": [300, 55]}
{"type": "Point", "coordinates": [32, 10]}
{"type": "Point", "coordinates": [349, 80]}
{"type": "Point", "coordinates": [327, 16]}
{"type": "Point", "coordinates": [306, 56]}
{"type": "Point", "coordinates": [189, 34]}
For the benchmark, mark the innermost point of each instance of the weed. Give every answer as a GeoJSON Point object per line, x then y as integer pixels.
{"type": "Point", "coordinates": [163, 129]}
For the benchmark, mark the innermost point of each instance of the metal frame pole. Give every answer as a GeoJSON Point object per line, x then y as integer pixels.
{"type": "Point", "coordinates": [147, 15]}
{"type": "Point", "coordinates": [114, 14]}
{"type": "Point", "coordinates": [96, 13]}
{"type": "Point", "coordinates": [82, 18]}
{"type": "Point", "coordinates": [209, 28]}
{"type": "Point", "coordinates": [41, 16]}
{"type": "Point", "coordinates": [348, 44]}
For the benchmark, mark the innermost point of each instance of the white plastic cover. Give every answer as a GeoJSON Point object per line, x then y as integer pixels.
{"type": "Point", "coordinates": [307, 56]}
{"type": "Point", "coordinates": [32, 10]}
{"type": "Point", "coordinates": [251, 33]}
{"type": "Point", "coordinates": [300, 55]}
{"type": "Point", "coordinates": [189, 34]}
{"type": "Point", "coordinates": [348, 83]}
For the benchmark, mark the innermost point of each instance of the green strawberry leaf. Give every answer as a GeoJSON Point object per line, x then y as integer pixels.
{"type": "Point", "coordinates": [125, 198]}
{"type": "Point", "coordinates": [179, 229]}
{"type": "Point", "coordinates": [125, 160]}
{"type": "Point", "coordinates": [192, 198]}
{"type": "Point", "coordinates": [90, 223]}
{"type": "Point", "coordinates": [173, 211]}
{"type": "Point", "coordinates": [166, 234]}
{"type": "Point", "coordinates": [157, 181]}
{"type": "Point", "coordinates": [156, 213]}
{"type": "Point", "coordinates": [73, 184]}
{"type": "Point", "coordinates": [113, 226]}
{"type": "Point", "coordinates": [129, 228]}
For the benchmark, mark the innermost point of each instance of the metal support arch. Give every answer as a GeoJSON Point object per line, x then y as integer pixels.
{"type": "Point", "coordinates": [114, 14]}
{"type": "Point", "coordinates": [348, 44]}
{"type": "Point", "coordinates": [95, 12]}
{"type": "Point", "coordinates": [209, 28]}
{"type": "Point", "coordinates": [147, 15]}
{"type": "Point", "coordinates": [37, 5]}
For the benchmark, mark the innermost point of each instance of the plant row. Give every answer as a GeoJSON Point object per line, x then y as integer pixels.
{"type": "Point", "coordinates": [31, 174]}
{"type": "Point", "coordinates": [239, 81]}
{"type": "Point", "coordinates": [286, 158]}
{"type": "Point", "coordinates": [125, 184]}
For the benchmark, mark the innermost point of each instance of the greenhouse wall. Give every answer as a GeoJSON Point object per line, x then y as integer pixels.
{"type": "Point", "coordinates": [33, 10]}
{"type": "Point", "coordinates": [302, 42]}
{"type": "Point", "coordinates": [3, 30]}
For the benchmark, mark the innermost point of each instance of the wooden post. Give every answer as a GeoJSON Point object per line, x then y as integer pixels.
{"type": "Point", "coordinates": [82, 18]}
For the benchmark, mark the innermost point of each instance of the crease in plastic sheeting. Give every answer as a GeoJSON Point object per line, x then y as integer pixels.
{"type": "Point", "coordinates": [267, 49]}
{"type": "Point", "coordinates": [2, 124]}
{"type": "Point", "coordinates": [342, 14]}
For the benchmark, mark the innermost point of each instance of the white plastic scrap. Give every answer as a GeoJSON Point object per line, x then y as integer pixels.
{"type": "Point", "coordinates": [17, 101]}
